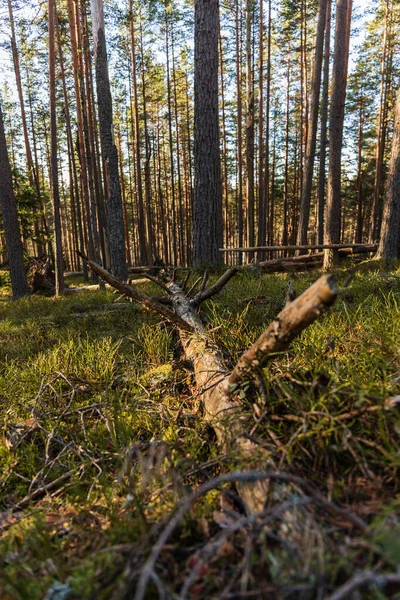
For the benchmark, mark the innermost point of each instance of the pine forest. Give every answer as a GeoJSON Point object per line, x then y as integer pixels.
{"type": "Point", "coordinates": [199, 299]}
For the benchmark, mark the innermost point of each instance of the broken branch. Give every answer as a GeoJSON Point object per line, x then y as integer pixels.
{"type": "Point", "coordinates": [132, 292]}
{"type": "Point", "coordinates": [290, 322]}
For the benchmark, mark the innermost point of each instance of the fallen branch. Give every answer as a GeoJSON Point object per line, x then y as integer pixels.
{"type": "Point", "coordinates": [290, 322]}
{"type": "Point", "coordinates": [307, 261]}
{"type": "Point", "coordinates": [131, 292]}
{"type": "Point", "coordinates": [223, 410]}
{"type": "Point", "coordinates": [362, 579]}
{"type": "Point", "coordinates": [247, 477]}
{"type": "Point", "coordinates": [214, 289]}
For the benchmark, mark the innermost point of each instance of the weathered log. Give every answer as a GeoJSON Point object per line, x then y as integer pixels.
{"type": "Point", "coordinates": [223, 408]}
{"type": "Point", "coordinates": [297, 247]}
{"type": "Point", "coordinates": [308, 261]}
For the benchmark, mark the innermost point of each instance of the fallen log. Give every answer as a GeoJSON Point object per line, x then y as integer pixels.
{"type": "Point", "coordinates": [308, 261]}
{"type": "Point", "coordinates": [219, 389]}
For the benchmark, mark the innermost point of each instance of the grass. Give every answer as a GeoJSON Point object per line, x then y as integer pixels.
{"type": "Point", "coordinates": [97, 398]}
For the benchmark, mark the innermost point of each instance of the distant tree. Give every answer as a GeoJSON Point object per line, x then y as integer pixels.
{"type": "Point", "coordinates": [385, 75]}
{"type": "Point", "coordinates": [250, 130]}
{"type": "Point", "coordinates": [207, 205]}
{"type": "Point", "coordinates": [336, 119]}
{"type": "Point", "coordinates": [305, 200]}
{"type": "Point", "coordinates": [33, 176]}
{"type": "Point", "coordinates": [389, 245]}
{"type": "Point", "coordinates": [10, 218]}
{"type": "Point", "coordinates": [324, 128]}
{"type": "Point", "coordinates": [110, 154]}
{"type": "Point", "coordinates": [58, 252]}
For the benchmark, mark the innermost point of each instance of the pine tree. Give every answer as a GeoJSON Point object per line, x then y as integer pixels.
{"type": "Point", "coordinates": [207, 202]}
{"type": "Point", "coordinates": [11, 224]}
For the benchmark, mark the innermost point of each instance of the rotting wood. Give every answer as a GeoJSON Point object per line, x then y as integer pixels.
{"type": "Point", "coordinates": [224, 410]}
{"type": "Point", "coordinates": [308, 261]}
{"type": "Point", "coordinates": [299, 247]}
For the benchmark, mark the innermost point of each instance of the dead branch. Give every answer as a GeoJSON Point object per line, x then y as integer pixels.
{"type": "Point", "coordinates": [307, 261]}
{"type": "Point", "coordinates": [186, 280]}
{"type": "Point", "coordinates": [225, 412]}
{"type": "Point", "coordinates": [132, 292]}
{"type": "Point", "coordinates": [361, 579]}
{"type": "Point", "coordinates": [247, 477]}
{"type": "Point", "coordinates": [157, 281]}
{"type": "Point", "coordinates": [216, 288]}
{"type": "Point", "coordinates": [44, 489]}
{"type": "Point", "coordinates": [193, 286]}
{"type": "Point", "coordinates": [290, 322]}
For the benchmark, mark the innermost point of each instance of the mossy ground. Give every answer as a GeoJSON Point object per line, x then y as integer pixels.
{"type": "Point", "coordinates": [96, 399]}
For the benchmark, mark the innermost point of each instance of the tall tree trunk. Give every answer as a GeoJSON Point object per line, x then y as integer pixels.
{"type": "Point", "coordinates": [171, 147]}
{"type": "Point", "coordinates": [359, 217]}
{"type": "Point", "coordinates": [74, 189]}
{"type": "Point", "coordinates": [224, 147]}
{"type": "Point", "coordinates": [207, 204]}
{"type": "Point", "coordinates": [109, 150]}
{"type": "Point", "coordinates": [80, 104]}
{"type": "Point", "coordinates": [389, 245]}
{"type": "Point", "coordinates": [58, 251]}
{"type": "Point", "coordinates": [10, 221]}
{"type": "Point", "coordinates": [32, 174]}
{"type": "Point", "coordinates": [147, 170]}
{"type": "Point", "coordinates": [285, 232]}
{"type": "Point", "coordinates": [338, 97]}
{"type": "Point", "coordinates": [249, 126]}
{"type": "Point", "coordinates": [380, 144]}
{"type": "Point", "coordinates": [305, 200]}
{"type": "Point", "coordinates": [262, 221]}
{"type": "Point", "coordinates": [98, 205]}
{"type": "Point", "coordinates": [239, 126]}
{"type": "Point", "coordinates": [178, 155]}
{"type": "Point", "coordinates": [143, 249]}
{"type": "Point", "coordinates": [324, 123]}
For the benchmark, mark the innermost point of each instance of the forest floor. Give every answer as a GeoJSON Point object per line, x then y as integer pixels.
{"type": "Point", "coordinates": [101, 435]}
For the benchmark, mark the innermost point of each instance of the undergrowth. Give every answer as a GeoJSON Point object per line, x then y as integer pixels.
{"type": "Point", "coordinates": [102, 435]}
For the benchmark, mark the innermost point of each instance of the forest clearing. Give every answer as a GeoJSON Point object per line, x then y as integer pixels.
{"type": "Point", "coordinates": [104, 438]}
{"type": "Point", "coordinates": [199, 299]}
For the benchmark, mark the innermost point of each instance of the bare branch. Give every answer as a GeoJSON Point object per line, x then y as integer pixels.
{"type": "Point", "coordinates": [249, 476]}
{"type": "Point", "coordinates": [290, 322]}
{"type": "Point", "coordinates": [193, 286]}
{"type": "Point", "coordinates": [185, 281]}
{"type": "Point", "coordinates": [157, 281]}
{"type": "Point", "coordinates": [204, 281]}
{"type": "Point", "coordinates": [216, 288]}
{"type": "Point", "coordinates": [361, 579]}
{"type": "Point", "coordinates": [132, 292]}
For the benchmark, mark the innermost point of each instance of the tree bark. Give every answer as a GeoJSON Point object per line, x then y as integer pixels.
{"type": "Point", "coordinates": [336, 119]}
{"type": "Point", "coordinates": [380, 143]}
{"type": "Point", "coordinates": [142, 224]}
{"type": "Point", "coordinates": [305, 201]}
{"type": "Point", "coordinates": [239, 127]}
{"type": "Point", "coordinates": [109, 150]}
{"type": "Point", "coordinates": [207, 201]}
{"type": "Point", "coordinates": [324, 122]}
{"type": "Point", "coordinates": [249, 125]}
{"type": "Point", "coordinates": [10, 219]}
{"type": "Point", "coordinates": [58, 250]}
{"type": "Point", "coordinates": [389, 244]}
